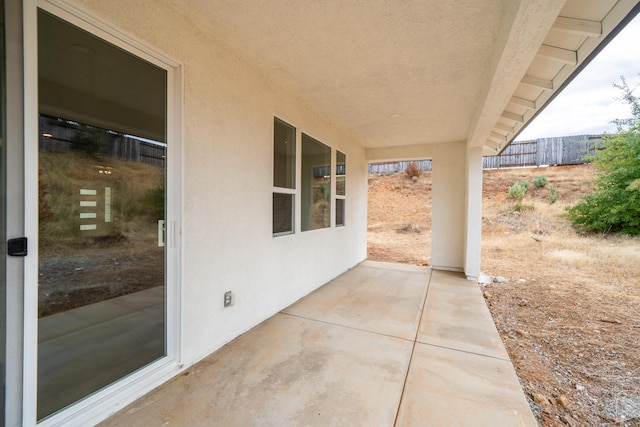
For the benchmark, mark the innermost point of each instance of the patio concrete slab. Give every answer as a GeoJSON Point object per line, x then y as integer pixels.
{"type": "Point", "coordinates": [288, 371]}
{"type": "Point", "coordinates": [447, 387]}
{"type": "Point", "coordinates": [375, 297]}
{"type": "Point", "coordinates": [381, 345]}
{"type": "Point", "coordinates": [456, 316]}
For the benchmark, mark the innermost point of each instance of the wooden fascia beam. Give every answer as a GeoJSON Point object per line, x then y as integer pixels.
{"type": "Point", "coordinates": [581, 27]}
{"type": "Point", "coordinates": [537, 82]}
{"type": "Point", "coordinates": [565, 56]}
{"type": "Point", "coordinates": [505, 128]}
{"type": "Point", "coordinates": [527, 103]}
{"type": "Point", "coordinates": [498, 136]}
{"type": "Point", "coordinates": [512, 116]}
{"type": "Point", "coordinates": [495, 145]}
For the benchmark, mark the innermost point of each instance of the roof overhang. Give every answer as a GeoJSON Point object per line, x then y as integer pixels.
{"type": "Point", "coordinates": [404, 74]}
{"type": "Point", "coordinates": [578, 34]}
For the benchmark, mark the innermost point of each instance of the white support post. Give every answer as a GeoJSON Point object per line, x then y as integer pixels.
{"type": "Point", "coordinates": [473, 225]}
{"type": "Point", "coordinates": [448, 207]}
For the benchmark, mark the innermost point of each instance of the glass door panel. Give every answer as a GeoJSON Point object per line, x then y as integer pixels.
{"type": "Point", "coordinates": [102, 154]}
{"type": "Point", "coordinates": [3, 234]}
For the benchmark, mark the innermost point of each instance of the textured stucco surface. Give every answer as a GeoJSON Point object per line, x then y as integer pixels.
{"type": "Point", "coordinates": [227, 184]}
{"type": "Point", "coordinates": [448, 206]}
{"type": "Point", "coordinates": [385, 86]}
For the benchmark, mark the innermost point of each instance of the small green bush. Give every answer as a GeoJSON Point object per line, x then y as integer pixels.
{"type": "Point", "coordinates": [517, 192]}
{"type": "Point", "coordinates": [412, 170]}
{"type": "Point", "coordinates": [553, 194]}
{"type": "Point", "coordinates": [539, 181]}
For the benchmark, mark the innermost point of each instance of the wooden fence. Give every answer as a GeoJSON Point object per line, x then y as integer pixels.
{"type": "Point", "coordinates": [564, 150]}
{"type": "Point", "coordinates": [58, 135]}
{"type": "Point", "coordinates": [395, 167]}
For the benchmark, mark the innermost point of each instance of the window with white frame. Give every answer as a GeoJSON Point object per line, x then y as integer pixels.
{"type": "Point", "coordinates": [341, 173]}
{"type": "Point", "coordinates": [315, 184]}
{"type": "Point", "coordinates": [284, 177]}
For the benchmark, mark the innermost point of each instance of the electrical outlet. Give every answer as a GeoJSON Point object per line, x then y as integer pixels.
{"type": "Point", "coordinates": [229, 299]}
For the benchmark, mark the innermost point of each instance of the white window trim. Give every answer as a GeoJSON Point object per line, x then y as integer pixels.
{"type": "Point", "coordinates": [284, 190]}
{"type": "Point", "coordinates": [344, 219]}
{"type": "Point", "coordinates": [105, 402]}
{"type": "Point", "coordinates": [293, 192]}
{"type": "Point", "coordinates": [337, 196]}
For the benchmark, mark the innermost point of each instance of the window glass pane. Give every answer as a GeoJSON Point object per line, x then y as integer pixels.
{"type": "Point", "coordinates": [340, 211]}
{"type": "Point", "coordinates": [316, 184]}
{"type": "Point", "coordinates": [284, 155]}
{"type": "Point", "coordinates": [101, 193]}
{"type": "Point", "coordinates": [341, 171]}
{"type": "Point", "coordinates": [282, 213]}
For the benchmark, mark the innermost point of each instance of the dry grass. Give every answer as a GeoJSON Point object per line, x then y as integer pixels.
{"type": "Point", "coordinates": [399, 221]}
{"type": "Point", "coordinates": [540, 242]}
{"type": "Point", "coordinates": [64, 174]}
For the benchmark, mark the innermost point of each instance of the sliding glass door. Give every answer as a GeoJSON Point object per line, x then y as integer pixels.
{"type": "Point", "coordinates": [101, 211]}
{"type": "Point", "coordinates": [3, 229]}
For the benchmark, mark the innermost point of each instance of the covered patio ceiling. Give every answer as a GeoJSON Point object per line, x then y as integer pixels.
{"type": "Point", "coordinates": [397, 74]}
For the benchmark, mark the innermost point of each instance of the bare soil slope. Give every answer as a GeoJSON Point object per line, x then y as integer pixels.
{"type": "Point", "coordinates": [566, 305]}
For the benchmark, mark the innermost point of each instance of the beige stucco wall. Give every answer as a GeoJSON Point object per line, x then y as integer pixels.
{"type": "Point", "coordinates": [227, 184]}
{"type": "Point", "coordinates": [448, 206]}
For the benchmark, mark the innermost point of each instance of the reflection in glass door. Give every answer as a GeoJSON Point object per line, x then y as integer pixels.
{"type": "Point", "coordinates": [3, 234]}
{"type": "Point", "coordinates": [102, 149]}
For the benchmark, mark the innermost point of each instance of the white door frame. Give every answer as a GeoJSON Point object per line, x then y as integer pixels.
{"type": "Point", "coordinates": [103, 403]}
{"type": "Point", "coordinates": [14, 211]}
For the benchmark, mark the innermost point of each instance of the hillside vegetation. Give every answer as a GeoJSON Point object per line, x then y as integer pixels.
{"type": "Point", "coordinates": [120, 254]}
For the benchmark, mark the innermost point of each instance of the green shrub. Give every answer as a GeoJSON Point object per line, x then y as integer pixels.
{"type": "Point", "coordinates": [412, 170]}
{"type": "Point", "coordinates": [553, 194]}
{"type": "Point", "coordinates": [517, 192]}
{"type": "Point", "coordinates": [539, 181]}
{"type": "Point", "coordinates": [614, 206]}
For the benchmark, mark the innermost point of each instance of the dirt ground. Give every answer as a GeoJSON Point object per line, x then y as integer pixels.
{"type": "Point", "coordinates": [566, 305]}
{"type": "Point", "coordinates": [96, 274]}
